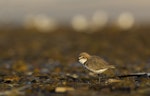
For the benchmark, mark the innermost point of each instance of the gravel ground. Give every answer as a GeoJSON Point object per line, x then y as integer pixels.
{"type": "Point", "coordinates": [34, 63]}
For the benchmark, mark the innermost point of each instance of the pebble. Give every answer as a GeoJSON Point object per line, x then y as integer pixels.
{"type": "Point", "coordinates": [63, 89]}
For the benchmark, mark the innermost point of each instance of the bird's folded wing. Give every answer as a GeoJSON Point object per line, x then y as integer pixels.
{"type": "Point", "coordinates": [97, 63]}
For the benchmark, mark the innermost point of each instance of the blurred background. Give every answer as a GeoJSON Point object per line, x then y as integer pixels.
{"type": "Point", "coordinates": [59, 30]}
{"type": "Point", "coordinates": [64, 10]}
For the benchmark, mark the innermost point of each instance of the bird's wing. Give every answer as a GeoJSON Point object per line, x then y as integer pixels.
{"type": "Point", "coordinates": [97, 63]}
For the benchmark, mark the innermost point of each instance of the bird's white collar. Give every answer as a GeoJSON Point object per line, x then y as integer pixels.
{"type": "Point", "coordinates": [82, 61]}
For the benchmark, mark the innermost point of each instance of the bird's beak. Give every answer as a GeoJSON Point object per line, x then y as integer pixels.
{"type": "Point", "coordinates": [79, 58]}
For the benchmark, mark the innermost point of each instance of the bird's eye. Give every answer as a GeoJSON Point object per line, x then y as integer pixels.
{"type": "Point", "coordinates": [83, 57]}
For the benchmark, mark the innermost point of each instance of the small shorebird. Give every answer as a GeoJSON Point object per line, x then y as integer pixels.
{"type": "Point", "coordinates": [94, 64]}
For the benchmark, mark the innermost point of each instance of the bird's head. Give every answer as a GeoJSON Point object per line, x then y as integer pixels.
{"type": "Point", "coordinates": [83, 57]}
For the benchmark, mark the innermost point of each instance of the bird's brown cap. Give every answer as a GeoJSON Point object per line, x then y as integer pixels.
{"type": "Point", "coordinates": [85, 55]}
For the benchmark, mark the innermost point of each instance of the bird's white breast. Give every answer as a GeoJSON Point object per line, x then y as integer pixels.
{"type": "Point", "coordinates": [101, 70]}
{"type": "Point", "coordinates": [96, 71]}
{"type": "Point", "coordinates": [82, 61]}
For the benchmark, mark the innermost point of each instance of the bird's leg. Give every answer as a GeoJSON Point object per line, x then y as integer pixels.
{"type": "Point", "coordinates": [99, 77]}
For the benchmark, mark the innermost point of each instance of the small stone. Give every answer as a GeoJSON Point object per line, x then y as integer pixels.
{"type": "Point", "coordinates": [112, 81]}
{"type": "Point", "coordinates": [63, 89]}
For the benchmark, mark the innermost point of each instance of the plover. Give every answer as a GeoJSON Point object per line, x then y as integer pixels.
{"type": "Point", "coordinates": [94, 64]}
